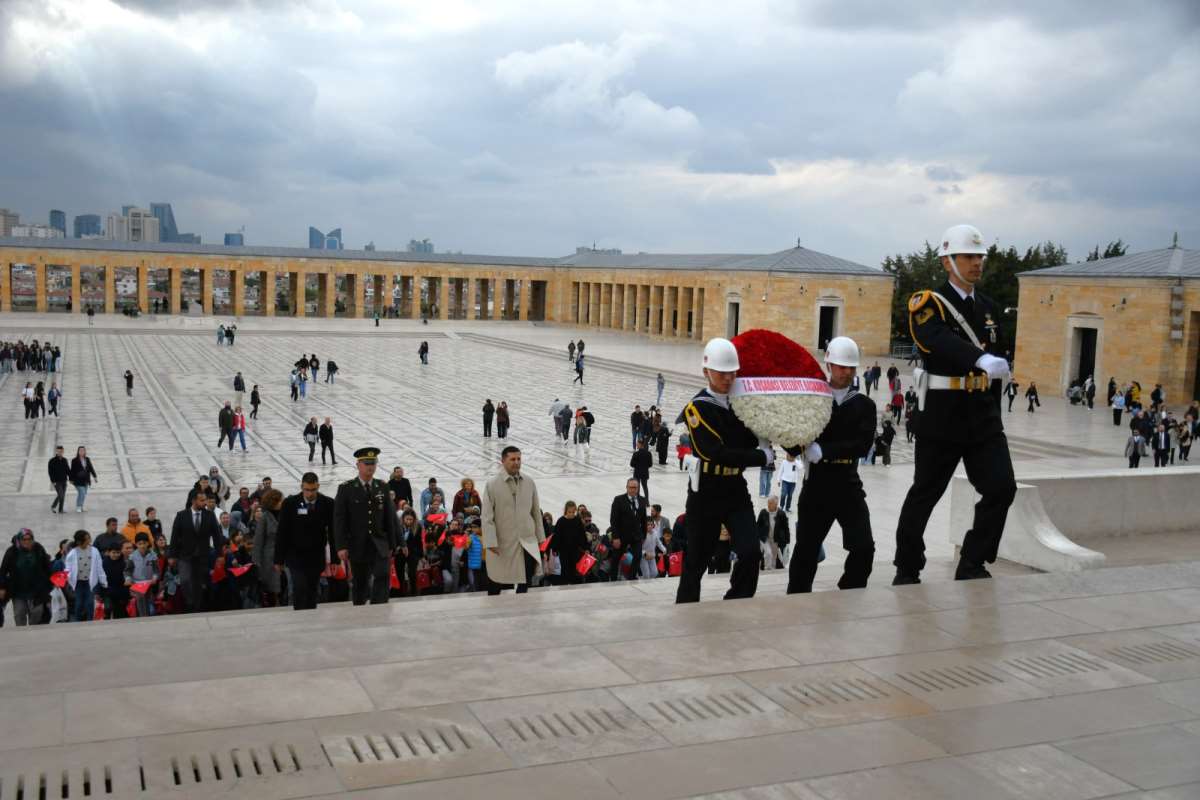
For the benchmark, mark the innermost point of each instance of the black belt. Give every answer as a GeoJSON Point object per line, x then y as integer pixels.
{"type": "Point", "coordinates": [709, 468]}
{"type": "Point", "coordinates": [838, 461]}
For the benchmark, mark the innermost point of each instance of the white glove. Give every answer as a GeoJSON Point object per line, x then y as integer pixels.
{"type": "Point", "coordinates": [765, 446]}
{"type": "Point", "coordinates": [812, 453]}
{"type": "Point", "coordinates": [994, 366]}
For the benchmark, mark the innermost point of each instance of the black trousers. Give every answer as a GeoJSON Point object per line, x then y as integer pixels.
{"type": "Point", "coordinates": [617, 553]}
{"type": "Point", "coordinates": [989, 469]}
{"type": "Point", "coordinates": [707, 510]}
{"type": "Point", "coordinates": [370, 580]}
{"type": "Point", "coordinates": [531, 565]}
{"type": "Point", "coordinates": [1116, 416]}
{"type": "Point", "coordinates": [645, 483]}
{"type": "Point", "coordinates": [329, 447]}
{"type": "Point", "coordinates": [254, 411]}
{"type": "Point", "coordinates": [1160, 458]}
{"type": "Point", "coordinates": [832, 492]}
{"type": "Point", "coordinates": [193, 580]}
{"type": "Point", "coordinates": [226, 435]}
{"type": "Point", "coordinates": [1011, 397]}
{"type": "Point", "coordinates": [487, 426]}
{"type": "Point", "coordinates": [60, 492]}
{"type": "Point", "coordinates": [306, 581]}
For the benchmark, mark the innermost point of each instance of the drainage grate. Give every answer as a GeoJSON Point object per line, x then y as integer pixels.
{"type": "Point", "coordinates": [1156, 653]}
{"type": "Point", "coordinates": [964, 676]}
{"type": "Point", "coordinates": [235, 764]}
{"type": "Point", "coordinates": [724, 705]}
{"type": "Point", "coordinates": [405, 745]}
{"type": "Point", "coordinates": [568, 723]}
{"type": "Point", "coordinates": [850, 690]}
{"type": "Point", "coordinates": [45, 784]}
{"type": "Point", "coordinates": [1053, 666]}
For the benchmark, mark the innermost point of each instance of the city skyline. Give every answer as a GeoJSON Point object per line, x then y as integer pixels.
{"type": "Point", "coordinates": [859, 128]}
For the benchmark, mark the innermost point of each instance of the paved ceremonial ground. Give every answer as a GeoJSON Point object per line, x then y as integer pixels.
{"type": "Point", "coordinates": [1028, 686]}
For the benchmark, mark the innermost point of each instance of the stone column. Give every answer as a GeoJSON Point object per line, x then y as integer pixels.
{"type": "Point", "coordinates": [668, 307]}
{"type": "Point", "coordinates": [6, 286]}
{"type": "Point", "coordinates": [175, 289]}
{"type": "Point", "coordinates": [266, 292]}
{"type": "Point", "coordinates": [443, 297]}
{"type": "Point", "coordinates": [585, 302]}
{"type": "Point", "coordinates": [296, 290]}
{"type": "Point", "coordinates": [597, 305]}
{"type": "Point", "coordinates": [605, 305]}
{"type": "Point", "coordinates": [526, 298]}
{"type": "Point", "coordinates": [617, 308]}
{"type": "Point", "coordinates": [656, 301]}
{"type": "Point", "coordinates": [377, 288]}
{"type": "Point", "coordinates": [510, 300]}
{"type": "Point", "coordinates": [143, 288]}
{"type": "Point", "coordinates": [76, 289]}
{"type": "Point", "coordinates": [698, 313]}
{"type": "Point", "coordinates": [110, 289]}
{"type": "Point", "coordinates": [206, 288]}
{"type": "Point", "coordinates": [355, 295]}
{"type": "Point", "coordinates": [237, 291]}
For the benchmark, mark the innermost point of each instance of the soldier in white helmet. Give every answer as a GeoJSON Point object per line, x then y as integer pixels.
{"type": "Point", "coordinates": [954, 329]}
{"type": "Point", "coordinates": [717, 495]}
{"type": "Point", "coordinates": [832, 490]}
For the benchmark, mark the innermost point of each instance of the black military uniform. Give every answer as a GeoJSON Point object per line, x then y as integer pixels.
{"type": "Point", "coordinates": [724, 447]}
{"type": "Point", "coordinates": [957, 424]}
{"type": "Point", "coordinates": [303, 542]}
{"type": "Point", "coordinates": [833, 491]}
{"type": "Point", "coordinates": [365, 524]}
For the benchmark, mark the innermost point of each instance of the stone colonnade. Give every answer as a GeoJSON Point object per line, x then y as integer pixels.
{"type": "Point", "coordinates": [414, 291]}
{"type": "Point", "coordinates": [670, 311]}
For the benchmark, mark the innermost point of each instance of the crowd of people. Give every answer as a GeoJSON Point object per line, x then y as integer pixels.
{"type": "Point", "coordinates": [35, 357]}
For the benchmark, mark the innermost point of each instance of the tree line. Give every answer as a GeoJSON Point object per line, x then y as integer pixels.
{"type": "Point", "coordinates": [923, 270]}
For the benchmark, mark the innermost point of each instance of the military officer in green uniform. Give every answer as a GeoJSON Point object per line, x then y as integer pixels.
{"type": "Point", "coordinates": [365, 529]}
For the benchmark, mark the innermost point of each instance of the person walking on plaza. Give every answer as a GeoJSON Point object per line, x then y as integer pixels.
{"type": "Point", "coordinates": [1010, 391]}
{"type": "Point", "coordinates": [717, 494]}
{"type": "Point", "coordinates": [789, 476]}
{"type": "Point", "coordinates": [331, 370]}
{"type": "Point", "coordinates": [59, 470]}
{"type": "Point", "coordinates": [220, 334]}
{"type": "Point", "coordinates": [326, 435]}
{"type": "Point", "coordinates": [194, 533]}
{"type": "Point", "coordinates": [833, 490]}
{"type": "Point", "coordinates": [960, 417]}
{"type": "Point", "coordinates": [423, 352]}
{"type": "Point", "coordinates": [1118, 405]}
{"type": "Point", "coordinates": [255, 402]}
{"type": "Point", "coordinates": [512, 526]}
{"type": "Point", "coordinates": [640, 462]}
{"type": "Point", "coordinates": [366, 530]}
{"type": "Point", "coordinates": [85, 574]}
{"type": "Point", "coordinates": [129, 383]}
{"type": "Point", "coordinates": [54, 395]}
{"type": "Point", "coordinates": [635, 423]}
{"type": "Point", "coordinates": [571, 351]}
{"type": "Point", "coordinates": [1135, 448]}
{"type": "Point", "coordinates": [1031, 394]}
{"type": "Point", "coordinates": [1162, 445]}
{"type": "Point", "coordinates": [555, 408]}
{"type": "Point", "coordinates": [311, 437]}
{"type": "Point", "coordinates": [1089, 392]}
{"type": "Point", "coordinates": [239, 388]}
{"type": "Point", "coordinates": [25, 579]}
{"type": "Point", "coordinates": [82, 476]}
{"type": "Point", "coordinates": [660, 383]}
{"type": "Point", "coordinates": [579, 368]}
{"type": "Point", "coordinates": [304, 540]}
{"type": "Point", "coordinates": [489, 412]}
{"type": "Point", "coordinates": [502, 420]}
{"type": "Point", "coordinates": [627, 523]}
{"type": "Point", "coordinates": [238, 429]}
{"type": "Point", "coordinates": [225, 424]}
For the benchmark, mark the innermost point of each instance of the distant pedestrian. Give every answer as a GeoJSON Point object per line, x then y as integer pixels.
{"type": "Point", "coordinates": [225, 424]}
{"type": "Point", "coordinates": [129, 383]}
{"type": "Point", "coordinates": [294, 382]}
{"type": "Point", "coordinates": [1135, 448]}
{"type": "Point", "coordinates": [661, 383]}
{"type": "Point", "coordinates": [641, 461]}
{"type": "Point", "coordinates": [239, 388]}
{"type": "Point", "coordinates": [220, 334]}
{"type": "Point", "coordinates": [239, 428]}
{"type": "Point", "coordinates": [423, 352]}
{"type": "Point", "coordinates": [326, 435]}
{"type": "Point", "coordinates": [1118, 405]}
{"type": "Point", "coordinates": [571, 351]}
{"type": "Point", "coordinates": [331, 369]}
{"type": "Point", "coordinates": [502, 420]}
{"type": "Point", "coordinates": [489, 411]}
{"type": "Point", "coordinates": [255, 402]}
{"type": "Point", "coordinates": [1010, 391]}
{"type": "Point", "coordinates": [579, 369]}
{"type": "Point", "coordinates": [91, 315]}
{"type": "Point", "coordinates": [1032, 395]}
{"type": "Point", "coordinates": [229, 334]}
{"type": "Point", "coordinates": [54, 396]}
{"type": "Point", "coordinates": [59, 470]}
{"type": "Point", "coordinates": [82, 476]}
{"type": "Point", "coordinates": [311, 437]}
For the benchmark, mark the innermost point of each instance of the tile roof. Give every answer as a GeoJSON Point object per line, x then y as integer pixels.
{"type": "Point", "coordinates": [1169, 262]}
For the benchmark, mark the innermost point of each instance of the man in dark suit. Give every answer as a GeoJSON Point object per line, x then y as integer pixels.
{"type": "Point", "coordinates": [193, 533]}
{"type": "Point", "coordinates": [1162, 446]}
{"type": "Point", "coordinates": [400, 487]}
{"type": "Point", "coordinates": [641, 463]}
{"type": "Point", "coordinates": [366, 530]}
{"type": "Point", "coordinates": [773, 533]}
{"type": "Point", "coordinates": [305, 539]}
{"type": "Point", "coordinates": [627, 519]}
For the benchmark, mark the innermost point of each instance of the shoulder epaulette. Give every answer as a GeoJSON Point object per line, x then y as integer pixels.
{"type": "Point", "coordinates": [918, 300]}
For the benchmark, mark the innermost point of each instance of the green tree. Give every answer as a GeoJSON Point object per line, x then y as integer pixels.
{"type": "Point", "coordinates": [1114, 249]}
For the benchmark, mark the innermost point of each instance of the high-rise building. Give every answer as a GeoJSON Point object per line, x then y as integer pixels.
{"type": "Point", "coordinates": [423, 246]}
{"type": "Point", "coordinates": [34, 231]}
{"type": "Point", "coordinates": [369, 247]}
{"type": "Point", "coordinates": [7, 220]}
{"type": "Point", "coordinates": [87, 225]}
{"type": "Point", "coordinates": [168, 230]}
{"type": "Point", "coordinates": [58, 220]}
{"type": "Point", "coordinates": [324, 241]}
{"type": "Point", "coordinates": [235, 240]}
{"type": "Point", "coordinates": [137, 225]}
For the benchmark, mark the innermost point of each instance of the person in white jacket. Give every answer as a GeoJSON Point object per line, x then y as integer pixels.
{"type": "Point", "coordinates": [85, 572]}
{"type": "Point", "coordinates": [789, 476]}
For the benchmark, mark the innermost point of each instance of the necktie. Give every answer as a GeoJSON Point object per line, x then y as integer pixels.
{"type": "Point", "coordinates": [196, 519]}
{"type": "Point", "coordinates": [970, 303]}
{"type": "Point", "coordinates": [633, 504]}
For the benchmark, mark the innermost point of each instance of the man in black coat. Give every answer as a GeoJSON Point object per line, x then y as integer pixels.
{"type": "Point", "coordinates": [194, 533]}
{"type": "Point", "coordinates": [25, 579]}
{"type": "Point", "coordinates": [774, 537]}
{"type": "Point", "coordinates": [627, 521]}
{"type": "Point", "coordinates": [304, 542]}
{"type": "Point", "coordinates": [400, 487]}
{"type": "Point", "coordinates": [489, 411]}
{"type": "Point", "coordinates": [641, 463]}
{"type": "Point", "coordinates": [325, 434]}
{"type": "Point", "coordinates": [225, 423]}
{"type": "Point", "coordinates": [60, 473]}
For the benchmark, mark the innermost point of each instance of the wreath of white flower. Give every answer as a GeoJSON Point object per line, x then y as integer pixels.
{"type": "Point", "coordinates": [786, 420]}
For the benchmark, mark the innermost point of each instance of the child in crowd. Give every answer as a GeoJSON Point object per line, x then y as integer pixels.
{"type": "Point", "coordinates": [140, 567]}
{"type": "Point", "coordinates": [117, 596]}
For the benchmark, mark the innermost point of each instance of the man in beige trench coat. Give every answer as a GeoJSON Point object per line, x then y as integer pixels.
{"type": "Point", "coordinates": [512, 526]}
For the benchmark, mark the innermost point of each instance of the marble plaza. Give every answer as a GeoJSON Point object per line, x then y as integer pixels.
{"type": "Point", "coordinates": [1083, 685]}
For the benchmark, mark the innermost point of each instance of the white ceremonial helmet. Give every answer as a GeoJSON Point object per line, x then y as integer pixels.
{"type": "Point", "coordinates": [962, 239]}
{"type": "Point", "coordinates": [721, 355]}
{"type": "Point", "coordinates": [843, 351]}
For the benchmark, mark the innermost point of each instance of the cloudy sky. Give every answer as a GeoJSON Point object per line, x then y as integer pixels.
{"type": "Point", "coordinates": [524, 127]}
